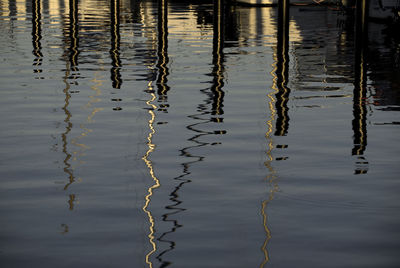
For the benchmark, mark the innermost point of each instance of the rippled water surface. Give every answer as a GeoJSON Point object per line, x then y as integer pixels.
{"type": "Point", "coordinates": [154, 134]}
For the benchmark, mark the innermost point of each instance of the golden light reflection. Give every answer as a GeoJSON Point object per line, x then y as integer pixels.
{"type": "Point", "coordinates": [93, 111]}
{"type": "Point", "coordinates": [279, 89]}
{"type": "Point", "coordinates": [74, 39]}
{"type": "Point", "coordinates": [37, 35]}
{"type": "Point", "coordinates": [149, 164]}
{"type": "Point", "coordinates": [218, 82]}
{"type": "Point", "coordinates": [54, 11]}
{"type": "Point", "coordinates": [271, 177]}
{"type": "Point", "coordinates": [359, 124]}
{"type": "Point", "coordinates": [115, 43]}
{"type": "Point", "coordinates": [162, 53]}
{"type": "Point", "coordinates": [5, 10]}
{"type": "Point", "coordinates": [21, 9]}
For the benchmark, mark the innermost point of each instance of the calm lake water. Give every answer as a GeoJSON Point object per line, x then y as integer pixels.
{"type": "Point", "coordinates": [146, 134]}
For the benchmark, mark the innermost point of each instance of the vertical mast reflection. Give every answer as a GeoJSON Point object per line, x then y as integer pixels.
{"type": "Point", "coordinates": [71, 72]}
{"type": "Point", "coordinates": [282, 70]}
{"type": "Point", "coordinates": [360, 88]}
{"type": "Point", "coordinates": [72, 65]}
{"type": "Point", "coordinates": [37, 36]}
{"type": "Point", "coordinates": [68, 128]}
{"type": "Point", "coordinates": [162, 54]}
{"type": "Point", "coordinates": [73, 32]}
{"type": "Point", "coordinates": [115, 43]}
{"type": "Point", "coordinates": [218, 58]}
{"type": "Point", "coordinates": [215, 98]}
{"type": "Point", "coordinates": [280, 76]}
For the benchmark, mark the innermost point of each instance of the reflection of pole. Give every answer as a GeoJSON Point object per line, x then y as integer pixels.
{"type": "Point", "coordinates": [360, 84]}
{"type": "Point", "coordinates": [68, 128]}
{"type": "Point", "coordinates": [71, 65]}
{"type": "Point", "coordinates": [36, 35]}
{"type": "Point", "coordinates": [218, 59]}
{"type": "Point", "coordinates": [162, 53]}
{"type": "Point", "coordinates": [115, 42]}
{"type": "Point", "coordinates": [282, 69]}
{"type": "Point", "coordinates": [280, 76]}
{"type": "Point", "coordinates": [73, 31]}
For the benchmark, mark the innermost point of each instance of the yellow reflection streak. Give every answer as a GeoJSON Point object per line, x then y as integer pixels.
{"type": "Point", "coordinates": [272, 173]}
{"type": "Point", "coordinates": [92, 99]}
{"type": "Point", "coordinates": [115, 43]}
{"type": "Point", "coordinates": [36, 33]}
{"type": "Point", "coordinates": [362, 115]}
{"type": "Point", "coordinates": [21, 9]}
{"type": "Point", "coordinates": [359, 125]}
{"type": "Point", "coordinates": [149, 164]}
{"type": "Point", "coordinates": [163, 54]}
{"type": "Point", "coordinates": [74, 33]}
{"type": "Point", "coordinates": [219, 63]}
{"type": "Point", "coordinates": [115, 32]}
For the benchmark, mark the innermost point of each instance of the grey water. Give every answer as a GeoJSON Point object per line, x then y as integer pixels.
{"type": "Point", "coordinates": [188, 134]}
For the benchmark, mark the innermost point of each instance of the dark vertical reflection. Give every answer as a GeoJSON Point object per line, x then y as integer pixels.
{"type": "Point", "coordinates": [360, 87]}
{"type": "Point", "coordinates": [218, 59]}
{"type": "Point", "coordinates": [73, 37]}
{"type": "Point", "coordinates": [115, 43]}
{"type": "Point", "coordinates": [282, 70]}
{"type": "Point", "coordinates": [12, 5]}
{"type": "Point", "coordinates": [215, 98]}
{"type": "Point", "coordinates": [162, 54]}
{"type": "Point", "coordinates": [37, 36]}
{"type": "Point", "coordinates": [71, 72]}
{"type": "Point", "coordinates": [136, 11]}
{"type": "Point", "coordinates": [279, 86]}
{"type": "Point", "coordinates": [162, 89]}
{"type": "Point", "coordinates": [68, 128]}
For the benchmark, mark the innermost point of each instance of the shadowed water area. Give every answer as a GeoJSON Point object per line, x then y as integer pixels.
{"type": "Point", "coordinates": [155, 134]}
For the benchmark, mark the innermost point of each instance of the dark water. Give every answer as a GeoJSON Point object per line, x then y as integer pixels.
{"type": "Point", "coordinates": [138, 134]}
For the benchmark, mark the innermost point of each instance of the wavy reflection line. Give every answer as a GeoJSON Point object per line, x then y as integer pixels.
{"type": "Point", "coordinates": [271, 177]}
{"type": "Point", "coordinates": [37, 36]}
{"type": "Point", "coordinates": [149, 164]}
{"type": "Point", "coordinates": [174, 195]}
{"type": "Point", "coordinates": [282, 72]}
{"type": "Point", "coordinates": [74, 38]}
{"type": "Point", "coordinates": [94, 110]}
{"type": "Point", "coordinates": [64, 136]}
{"type": "Point", "coordinates": [71, 65]}
{"type": "Point", "coordinates": [115, 43]}
{"type": "Point", "coordinates": [279, 74]}
{"type": "Point", "coordinates": [162, 54]}
{"type": "Point", "coordinates": [215, 98]}
{"type": "Point", "coordinates": [218, 58]}
{"type": "Point", "coordinates": [359, 124]}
